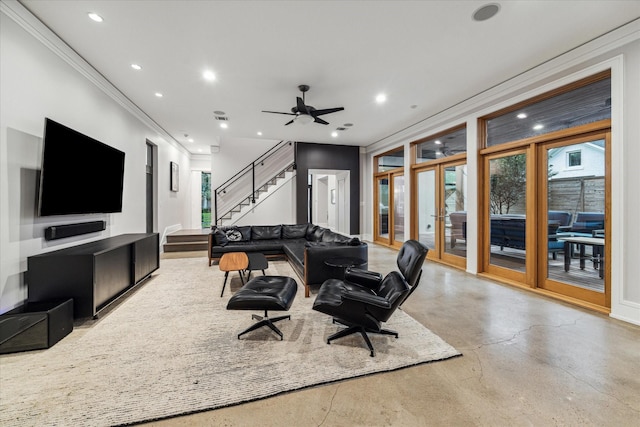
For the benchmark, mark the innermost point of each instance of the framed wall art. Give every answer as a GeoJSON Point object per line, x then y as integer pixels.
{"type": "Point", "coordinates": [175, 176]}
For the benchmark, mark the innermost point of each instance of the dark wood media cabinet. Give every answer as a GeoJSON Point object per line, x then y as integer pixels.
{"type": "Point", "coordinates": [93, 274]}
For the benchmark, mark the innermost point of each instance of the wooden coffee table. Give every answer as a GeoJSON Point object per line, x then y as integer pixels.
{"type": "Point", "coordinates": [233, 261]}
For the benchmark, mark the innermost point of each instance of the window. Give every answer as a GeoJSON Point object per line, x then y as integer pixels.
{"type": "Point", "coordinates": [574, 158]}
{"type": "Point", "coordinates": [206, 200]}
{"type": "Point", "coordinates": [391, 160]}
{"type": "Point", "coordinates": [440, 146]}
{"type": "Point", "coordinates": [588, 103]}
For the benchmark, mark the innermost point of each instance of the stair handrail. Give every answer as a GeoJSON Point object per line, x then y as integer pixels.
{"type": "Point", "coordinates": [242, 173]}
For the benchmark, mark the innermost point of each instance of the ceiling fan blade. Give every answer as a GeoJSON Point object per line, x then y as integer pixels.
{"type": "Point", "coordinates": [319, 120]}
{"type": "Point", "coordinates": [278, 112]}
{"type": "Point", "coordinates": [288, 123]}
{"type": "Point", "coordinates": [302, 109]}
{"type": "Point", "coordinates": [327, 111]}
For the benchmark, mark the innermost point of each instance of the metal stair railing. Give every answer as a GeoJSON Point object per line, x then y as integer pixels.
{"type": "Point", "coordinates": [245, 187]}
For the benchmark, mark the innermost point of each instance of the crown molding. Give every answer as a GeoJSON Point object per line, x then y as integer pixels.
{"type": "Point", "coordinates": [590, 50]}
{"type": "Point", "coordinates": [31, 24]}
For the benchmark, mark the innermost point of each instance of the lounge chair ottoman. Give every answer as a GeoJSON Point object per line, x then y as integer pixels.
{"type": "Point", "coordinates": [275, 293]}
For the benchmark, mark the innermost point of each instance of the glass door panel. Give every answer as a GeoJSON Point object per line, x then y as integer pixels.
{"type": "Point", "coordinates": [505, 243]}
{"type": "Point", "coordinates": [398, 209]}
{"type": "Point", "coordinates": [574, 207]}
{"type": "Point", "coordinates": [441, 212]}
{"type": "Point", "coordinates": [454, 189]}
{"type": "Point", "coordinates": [427, 209]}
{"type": "Point", "coordinates": [382, 217]}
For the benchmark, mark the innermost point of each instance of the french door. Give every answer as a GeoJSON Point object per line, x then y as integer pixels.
{"type": "Point", "coordinates": [389, 208]}
{"type": "Point", "coordinates": [546, 216]}
{"type": "Point", "coordinates": [440, 217]}
{"type": "Point", "coordinates": [573, 176]}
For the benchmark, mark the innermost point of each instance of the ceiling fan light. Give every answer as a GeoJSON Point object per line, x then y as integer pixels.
{"type": "Point", "coordinates": [304, 119]}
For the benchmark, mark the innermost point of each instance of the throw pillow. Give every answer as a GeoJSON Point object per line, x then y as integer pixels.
{"type": "Point", "coordinates": [220, 237]}
{"type": "Point", "coordinates": [233, 235]}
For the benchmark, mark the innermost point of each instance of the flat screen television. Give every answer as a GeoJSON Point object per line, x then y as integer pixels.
{"type": "Point", "coordinates": [79, 174]}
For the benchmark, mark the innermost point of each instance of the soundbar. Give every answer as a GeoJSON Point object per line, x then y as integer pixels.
{"type": "Point", "coordinates": [68, 230]}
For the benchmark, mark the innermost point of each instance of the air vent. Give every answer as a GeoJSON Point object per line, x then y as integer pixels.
{"type": "Point", "coordinates": [341, 128]}
{"type": "Point", "coordinates": [222, 118]}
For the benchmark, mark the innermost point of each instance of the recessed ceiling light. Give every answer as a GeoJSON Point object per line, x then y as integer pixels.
{"type": "Point", "coordinates": [334, 134]}
{"type": "Point", "coordinates": [136, 67]}
{"type": "Point", "coordinates": [485, 12]}
{"type": "Point", "coordinates": [95, 17]}
{"type": "Point", "coordinates": [438, 142]}
{"type": "Point", "coordinates": [259, 133]}
{"type": "Point", "coordinates": [538, 127]}
{"type": "Point", "coordinates": [209, 75]}
{"type": "Point", "coordinates": [224, 125]}
{"type": "Point", "coordinates": [522, 116]}
{"type": "Point", "coordinates": [199, 150]}
{"type": "Point", "coordinates": [381, 98]}
{"type": "Point", "coordinates": [159, 95]}
{"type": "Point", "coordinates": [190, 139]}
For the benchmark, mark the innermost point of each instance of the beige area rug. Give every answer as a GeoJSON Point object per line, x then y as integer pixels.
{"type": "Point", "coordinates": [171, 348]}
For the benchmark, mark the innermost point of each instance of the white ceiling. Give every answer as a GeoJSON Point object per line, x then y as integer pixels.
{"type": "Point", "coordinates": [424, 55]}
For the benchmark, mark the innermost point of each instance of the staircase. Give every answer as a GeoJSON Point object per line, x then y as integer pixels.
{"type": "Point", "coordinates": [235, 213]}
{"type": "Point", "coordinates": [250, 183]}
{"type": "Point", "coordinates": [187, 240]}
{"type": "Point", "coordinates": [240, 194]}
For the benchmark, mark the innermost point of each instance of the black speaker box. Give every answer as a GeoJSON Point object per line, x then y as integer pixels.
{"type": "Point", "coordinates": [68, 230]}
{"type": "Point", "coordinates": [35, 325]}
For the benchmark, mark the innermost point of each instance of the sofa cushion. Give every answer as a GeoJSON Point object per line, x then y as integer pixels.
{"type": "Point", "coordinates": [329, 236]}
{"type": "Point", "coordinates": [265, 232]}
{"type": "Point", "coordinates": [316, 235]}
{"type": "Point", "coordinates": [245, 230]}
{"type": "Point", "coordinates": [220, 238]}
{"type": "Point", "coordinates": [297, 231]}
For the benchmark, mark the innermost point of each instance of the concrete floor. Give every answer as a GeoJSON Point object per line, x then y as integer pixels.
{"type": "Point", "coordinates": [527, 360]}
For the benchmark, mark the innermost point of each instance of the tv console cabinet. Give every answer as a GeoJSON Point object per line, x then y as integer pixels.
{"type": "Point", "coordinates": [93, 274]}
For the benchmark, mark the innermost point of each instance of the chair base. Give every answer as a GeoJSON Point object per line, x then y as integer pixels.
{"type": "Point", "coordinates": [355, 328]}
{"type": "Point", "coordinates": [265, 321]}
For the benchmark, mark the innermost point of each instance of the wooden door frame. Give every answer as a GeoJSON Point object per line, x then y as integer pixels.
{"type": "Point", "coordinates": [530, 146]}
{"type": "Point", "coordinates": [571, 291]}
{"type": "Point", "coordinates": [438, 167]}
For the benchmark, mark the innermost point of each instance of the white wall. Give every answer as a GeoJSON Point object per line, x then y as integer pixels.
{"type": "Point", "coordinates": [274, 208]}
{"type": "Point", "coordinates": [35, 82]}
{"type": "Point", "coordinates": [619, 51]}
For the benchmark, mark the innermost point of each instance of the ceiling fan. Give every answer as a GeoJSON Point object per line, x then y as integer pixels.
{"type": "Point", "coordinates": [306, 113]}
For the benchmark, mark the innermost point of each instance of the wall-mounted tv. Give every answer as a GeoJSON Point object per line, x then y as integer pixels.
{"type": "Point", "coordinates": [79, 174]}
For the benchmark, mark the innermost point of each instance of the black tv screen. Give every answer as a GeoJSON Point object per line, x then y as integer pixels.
{"type": "Point", "coordinates": [79, 174]}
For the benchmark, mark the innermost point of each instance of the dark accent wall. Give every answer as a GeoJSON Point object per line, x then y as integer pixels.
{"type": "Point", "coordinates": [323, 156]}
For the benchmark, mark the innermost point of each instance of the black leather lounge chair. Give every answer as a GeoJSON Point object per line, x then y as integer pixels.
{"type": "Point", "coordinates": [361, 309]}
{"type": "Point", "coordinates": [365, 299]}
{"type": "Point", "coordinates": [410, 259]}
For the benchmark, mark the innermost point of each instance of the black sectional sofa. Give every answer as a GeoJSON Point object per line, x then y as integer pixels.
{"type": "Point", "coordinates": [306, 247]}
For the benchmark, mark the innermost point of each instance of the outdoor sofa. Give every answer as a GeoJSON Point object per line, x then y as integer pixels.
{"type": "Point", "coordinates": [509, 231]}
{"type": "Point", "coordinates": [305, 246]}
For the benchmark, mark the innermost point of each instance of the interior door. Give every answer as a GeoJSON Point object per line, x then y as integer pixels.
{"type": "Point", "coordinates": [574, 206]}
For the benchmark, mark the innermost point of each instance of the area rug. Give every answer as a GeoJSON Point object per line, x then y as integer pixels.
{"type": "Point", "coordinates": [171, 348]}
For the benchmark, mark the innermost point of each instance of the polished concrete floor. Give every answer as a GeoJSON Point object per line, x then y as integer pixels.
{"type": "Point", "coordinates": [527, 361]}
